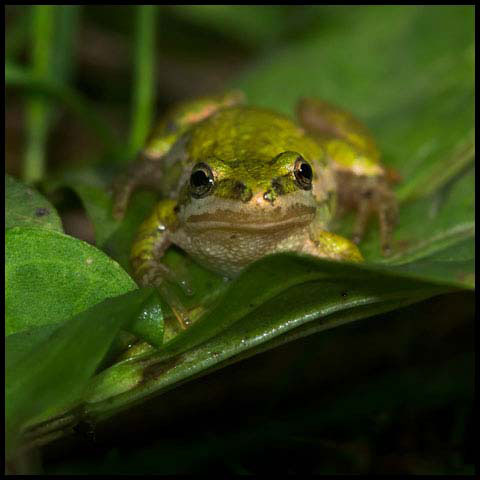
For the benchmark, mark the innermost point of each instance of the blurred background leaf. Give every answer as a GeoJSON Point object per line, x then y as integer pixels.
{"type": "Point", "coordinates": [25, 207]}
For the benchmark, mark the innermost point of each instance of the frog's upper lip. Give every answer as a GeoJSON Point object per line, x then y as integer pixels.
{"type": "Point", "coordinates": [228, 220]}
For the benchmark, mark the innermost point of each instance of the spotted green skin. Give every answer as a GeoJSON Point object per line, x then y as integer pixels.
{"type": "Point", "coordinates": [256, 205]}
{"type": "Point", "coordinates": [251, 146]}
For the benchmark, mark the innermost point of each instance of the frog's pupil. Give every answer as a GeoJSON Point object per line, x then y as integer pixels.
{"type": "Point", "coordinates": [303, 174]}
{"type": "Point", "coordinates": [306, 171]}
{"type": "Point", "coordinates": [199, 179]}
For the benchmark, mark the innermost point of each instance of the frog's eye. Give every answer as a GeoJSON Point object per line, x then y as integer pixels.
{"type": "Point", "coordinates": [201, 180]}
{"type": "Point", "coordinates": [303, 173]}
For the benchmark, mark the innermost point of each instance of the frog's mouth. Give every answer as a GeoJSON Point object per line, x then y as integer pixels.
{"type": "Point", "coordinates": [245, 221]}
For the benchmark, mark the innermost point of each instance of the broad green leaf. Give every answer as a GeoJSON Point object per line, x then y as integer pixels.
{"type": "Point", "coordinates": [21, 343]}
{"type": "Point", "coordinates": [25, 207]}
{"type": "Point", "coordinates": [50, 276]}
{"type": "Point", "coordinates": [277, 300]}
{"type": "Point", "coordinates": [54, 373]}
{"type": "Point", "coordinates": [266, 279]}
{"type": "Point", "coordinates": [274, 301]}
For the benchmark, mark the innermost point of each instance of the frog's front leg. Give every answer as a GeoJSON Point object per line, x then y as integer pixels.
{"type": "Point", "coordinates": [147, 251]}
{"type": "Point", "coordinates": [322, 243]}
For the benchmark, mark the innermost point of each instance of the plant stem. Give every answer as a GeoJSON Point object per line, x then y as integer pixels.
{"type": "Point", "coordinates": [16, 76]}
{"type": "Point", "coordinates": [38, 111]}
{"type": "Point", "coordinates": [143, 94]}
{"type": "Point", "coordinates": [68, 17]}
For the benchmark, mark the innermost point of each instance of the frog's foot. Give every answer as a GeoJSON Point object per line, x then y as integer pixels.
{"type": "Point", "coordinates": [122, 190]}
{"type": "Point", "coordinates": [154, 274]}
{"type": "Point", "coordinates": [175, 305]}
{"type": "Point", "coordinates": [148, 249]}
{"type": "Point", "coordinates": [376, 198]}
{"type": "Point", "coordinates": [329, 245]}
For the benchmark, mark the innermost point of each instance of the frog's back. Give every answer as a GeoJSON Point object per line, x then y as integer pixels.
{"type": "Point", "coordinates": [347, 141]}
{"type": "Point", "coordinates": [250, 135]}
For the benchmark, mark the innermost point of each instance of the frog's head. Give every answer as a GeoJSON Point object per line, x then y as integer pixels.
{"type": "Point", "coordinates": [252, 170]}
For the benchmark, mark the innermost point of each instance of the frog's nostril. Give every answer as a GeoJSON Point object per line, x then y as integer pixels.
{"type": "Point", "coordinates": [269, 196]}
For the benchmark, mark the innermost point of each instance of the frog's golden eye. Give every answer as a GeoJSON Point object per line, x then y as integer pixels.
{"type": "Point", "coordinates": [303, 173]}
{"type": "Point", "coordinates": [201, 180]}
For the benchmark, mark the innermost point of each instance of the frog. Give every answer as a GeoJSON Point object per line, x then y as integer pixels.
{"type": "Point", "coordinates": [239, 182]}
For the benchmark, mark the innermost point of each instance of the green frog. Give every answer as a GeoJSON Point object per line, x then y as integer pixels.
{"type": "Point", "coordinates": [239, 182]}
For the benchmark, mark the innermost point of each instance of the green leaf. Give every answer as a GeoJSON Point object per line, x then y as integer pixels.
{"type": "Point", "coordinates": [149, 325]}
{"type": "Point", "coordinates": [270, 277]}
{"type": "Point", "coordinates": [50, 276]}
{"type": "Point", "coordinates": [456, 262]}
{"type": "Point", "coordinates": [20, 344]}
{"type": "Point", "coordinates": [25, 207]}
{"type": "Point", "coordinates": [276, 300]}
{"type": "Point", "coordinates": [54, 373]}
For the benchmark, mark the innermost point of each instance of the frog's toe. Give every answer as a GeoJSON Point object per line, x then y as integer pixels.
{"type": "Point", "coordinates": [118, 210]}
{"type": "Point", "coordinates": [153, 273]}
{"type": "Point", "coordinates": [363, 214]}
{"type": "Point", "coordinates": [381, 202]}
{"type": "Point", "coordinates": [121, 190]}
{"type": "Point", "coordinates": [387, 218]}
{"type": "Point", "coordinates": [176, 306]}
